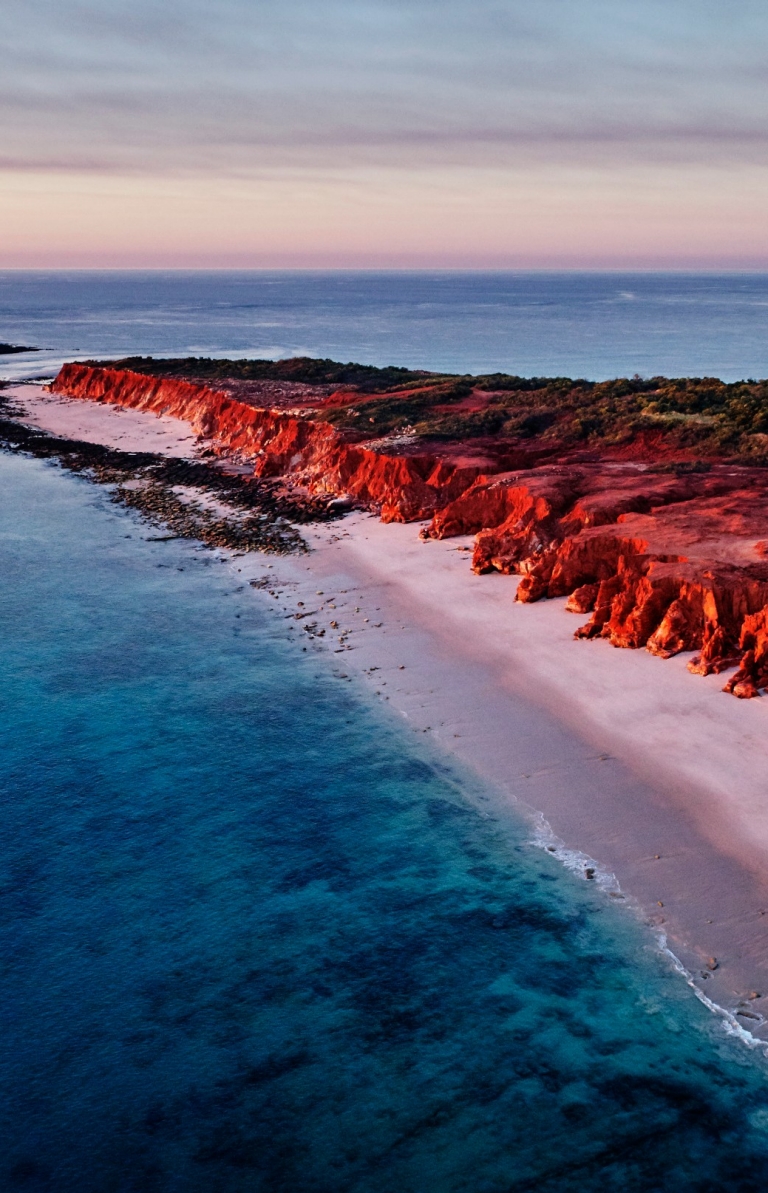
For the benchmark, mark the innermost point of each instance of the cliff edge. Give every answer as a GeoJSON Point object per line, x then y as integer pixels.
{"type": "Point", "coordinates": [645, 502]}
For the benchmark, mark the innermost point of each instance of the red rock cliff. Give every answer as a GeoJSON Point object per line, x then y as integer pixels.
{"type": "Point", "coordinates": [672, 563]}
{"type": "Point", "coordinates": [670, 560]}
{"type": "Point", "coordinates": [405, 483]}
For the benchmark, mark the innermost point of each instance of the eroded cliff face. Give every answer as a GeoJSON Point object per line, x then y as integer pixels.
{"type": "Point", "coordinates": [664, 557]}
{"type": "Point", "coordinates": [672, 563]}
{"type": "Point", "coordinates": [403, 480]}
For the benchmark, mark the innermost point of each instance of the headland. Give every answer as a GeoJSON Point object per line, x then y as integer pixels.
{"type": "Point", "coordinates": [644, 502]}
{"type": "Point", "coordinates": [517, 504]}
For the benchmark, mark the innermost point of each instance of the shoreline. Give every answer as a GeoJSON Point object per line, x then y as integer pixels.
{"type": "Point", "coordinates": [621, 753]}
{"type": "Point", "coordinates": [474, 677]}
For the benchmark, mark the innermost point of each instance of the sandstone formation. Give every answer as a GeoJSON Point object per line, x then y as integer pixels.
{"type": "Point", "coordinates": [670, 555]}
{"type": "Point", "coordinates": [672, 563]}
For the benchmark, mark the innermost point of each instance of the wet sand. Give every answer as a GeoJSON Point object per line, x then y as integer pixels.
{"type": "Point", "coordinates": [638, 768]}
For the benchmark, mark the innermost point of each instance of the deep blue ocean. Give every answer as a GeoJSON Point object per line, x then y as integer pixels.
{"type": "Point", "coordinates": [575, 324]}
{"type": "Point", "coordinates": [254, 938]}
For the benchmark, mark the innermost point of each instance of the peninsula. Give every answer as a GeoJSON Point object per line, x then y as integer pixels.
{"type": "Point", "coordinates": [643, 501]}
{"type": "Point", "coordinates": [637, 505]}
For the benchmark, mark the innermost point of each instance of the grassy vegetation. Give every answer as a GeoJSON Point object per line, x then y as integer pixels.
{"type": "Point", "coordinates": [702, 415]}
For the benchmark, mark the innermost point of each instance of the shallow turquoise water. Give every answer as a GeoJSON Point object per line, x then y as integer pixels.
{"type": "Point", "coordinates": [254, 939]}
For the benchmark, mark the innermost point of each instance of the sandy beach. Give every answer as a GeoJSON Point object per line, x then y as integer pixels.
{"type": "Point", "coordinates": [621, 760]}
{"type": "Point", "coordinates": [128, 430]}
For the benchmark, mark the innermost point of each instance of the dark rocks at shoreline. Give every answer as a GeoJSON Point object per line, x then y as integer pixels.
{"type": "Point", "coordinates": [160, 505]}
{"type": "Point", "coordinates": [263, 512]}
{"type": "Point", "coordinates": [10, 349]}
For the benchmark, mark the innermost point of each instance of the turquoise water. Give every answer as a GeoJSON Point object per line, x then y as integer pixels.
{"type": "Point", "coordinates": [592, 325]}
{"type": "Point", "coordinates": [253, 938]}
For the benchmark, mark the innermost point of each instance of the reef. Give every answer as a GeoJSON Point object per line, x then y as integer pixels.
{"type": "Point", "coordinates": [9, 349]}
{"type": "Point", "coordinates": [644, 502]}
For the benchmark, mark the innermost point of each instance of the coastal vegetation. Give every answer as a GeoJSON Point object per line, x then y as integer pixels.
{"type": "Point", "coordinates": [304, 369]}
{"type": "Point", "coordinates": [688, 416]}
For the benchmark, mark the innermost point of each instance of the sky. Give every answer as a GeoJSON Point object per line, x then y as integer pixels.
{"type": "Point", "coordinates": [384, 133]}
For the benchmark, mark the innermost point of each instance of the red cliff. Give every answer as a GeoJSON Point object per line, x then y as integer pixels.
{"type": "Point", "coordinates": [405, 482]}
{"type": "Point", "coordinates": [670, 557]}
{"type": "Point", "coordinates": [672, 563]}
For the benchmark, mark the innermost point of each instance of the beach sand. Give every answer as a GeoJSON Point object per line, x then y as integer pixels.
{"type": "Point", "coordinates": [113, 426]}
{"type": "Point", "coordinates": [650, 774]}
{"type": "Point", "coordinates": [621, 760]}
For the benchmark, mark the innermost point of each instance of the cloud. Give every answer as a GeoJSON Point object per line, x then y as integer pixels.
{"type": "Point", "coordinates": [236, 86]}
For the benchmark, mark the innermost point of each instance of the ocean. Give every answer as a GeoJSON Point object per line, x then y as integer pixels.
{"type": "Point", "coordinates": [575, 325]}
{"type": "Point", "coordinates": [255, 937]}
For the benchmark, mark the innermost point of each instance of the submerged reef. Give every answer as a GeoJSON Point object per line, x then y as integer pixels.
{"type": "Point", "coordinates": [644, 501]}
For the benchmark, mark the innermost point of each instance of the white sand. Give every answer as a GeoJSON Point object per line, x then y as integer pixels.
{"type": "Point", "coordinates": [652, 772]}
{"type": "Point", "coordinates": [113, 426]}
{"type": "Point", "coordinates": [653, 713]}
{"type": "Point", "coordinates": [634, 762]}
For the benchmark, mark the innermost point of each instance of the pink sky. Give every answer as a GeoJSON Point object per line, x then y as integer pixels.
{"type": "Point", "coordinates": [383, 133]}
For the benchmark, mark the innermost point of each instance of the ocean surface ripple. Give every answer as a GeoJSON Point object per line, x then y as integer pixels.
{"type": "Point", "coordinates": [593, 325]}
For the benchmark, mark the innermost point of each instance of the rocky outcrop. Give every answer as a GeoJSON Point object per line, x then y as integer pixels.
{"type": "Point", "coordinates": [517, 514]}
{"type": "Point", "coordinates": [545, 504]}
{"type": "Point", "coordinates": [669, 562]}
{"type": "Point", "coordinates": [753, 666]}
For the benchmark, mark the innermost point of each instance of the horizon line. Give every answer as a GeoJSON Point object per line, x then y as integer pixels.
{"type": "Point", "coordinates": [378, 269]}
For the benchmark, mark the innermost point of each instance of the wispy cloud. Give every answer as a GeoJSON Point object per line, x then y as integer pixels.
{"type": "Point", "coordinates": [366, 132]}
{"type": "Point", "coordinates": [239, 85]}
